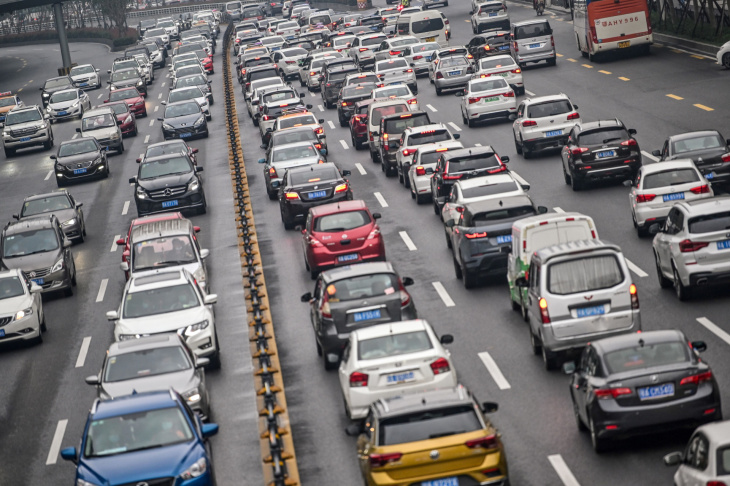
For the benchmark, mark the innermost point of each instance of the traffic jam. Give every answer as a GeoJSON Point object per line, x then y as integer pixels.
{"type": "Point", "coordinates": [373, 78]}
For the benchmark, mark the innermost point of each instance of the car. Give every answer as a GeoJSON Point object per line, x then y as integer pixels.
{"type": "Point", "coordinates": [544, 122]}
{"type": "Point", "coordinates": [26, 126]}
{"type": "Point", "coordinates": [422, 168]}
{"type": "Point", "coordinates": [168, 147]}
{"type": "Point", "coordinates": [359, 124]}
{"type": "Point", "coordinates": [311, 68]}
{"type": "Point", "coordinates": [130, 96]}
{"type": "Point", "coordinates": [489, 44]}
{"type": "Point", "coordinates": [486, 99]}
{"type": "Point", "coordinates": [396, 71]}
{"type": "Point", "coordinates": [168, 181]}
{"type": "Point", "coordinates": [704, 457]}
{"type": "Point", "coordinates": [708, 149]}
{"type": "Point", "coordinates": [401, 433]}
{"type": "Point", "coordinates": [437, 56]}
{"type": "Point", "coordinates": [67, 103]}
{"type": "Point", "coordinates": [281, 157]}
{"type": "Point", "coordinates": [331, 82]}
{"type": "Point", "coordinates": [21, 308]}
{"type": "Point", "coordinates": [122, 63]}
{"type": "Point", "coordinates": [197, 80]}
{"type": "Point", "coordinates": [288, 61]}
{"type": "Point", "coordinates": [173, 444]}
{"type": "Point", "coordinates": [272, 111]}
{"type": "Point", "coordinates": [364, 77]}
{"type": "Point", "coordinates": [101, 123]}
{"type": "Point", "coordinates": [191, 93]}
{"type": "Point", "coordinates": [157, 33]}
{"type": "Point", "coordinates": [390, 130]}
{"type": "Point", "coordinates": [85, 76]}
{"type": "Point", "coordinates": [392, 91]}
{"type": "Point", "coordinates": [8, 101]}
{"type": "Point", "coordinates": [452, 72]}
{"type": "Point", "coordinates": [352, 297]}
{"type": "Point", "coordinates": [532, 41]}
{"type": "Point", "coordinates": [341, 223]}
{"type": "Point", "coordinates": [377, 110]}
{"type": "Point", "coordinates": [430, 3]}
{"type": "Point", "coordinates": [127, 78]}
{"type": "Point", "coordinates": [362, 48]}
{"type": "Point", "coordinates": [80, 159]}
{"type": "Point", "coordinates": [503, 66]}
{"type": "Point", "coordinates": [384, 361]}
{"type": "Point", "coordinates": [373, 22]}
{"type": "Point", "coordinates": [170, 27]}
{"type": "Point", "coordinates": [349, 96]}
{"type": "Point", "coordinates": [689, 248]}
{"type": "Point", "coordinates": [258, 87]}
{"type": "Point", "coordinates": [63, 205]}
{"type": "Point", "coordinates": [151, 363]}
{"type": "Point", "coordinates": [52, 85]}
{"type": "Point", "coordinates": [195, 68]}
{"type": "Point", "coordinates": [168, 300]}
{"type": "Point", "coordinates": [38, 247]}
{"type": "Point", "coordinates": [273, 42]}
{"type": "Point", "coordinates": [185, 120]}
{"type": "Point", "coordinates": [418, 56]}
{"type": "Point", "coordinates": [287, 30]}
{"type": "Point", "coordinates": [126, 117]}
{"type": "Point", "coordinates": [269, 94]}
{"type": "Point", "coordinates": [411, 139]}
{"type": "Point", "coordinates": [305, 133]}
{"type": "Point", "coordinates": [491, 15]}
{"type": "Point", "coordinates": [723, 55]}
{"type": "Point", "coordinates": [639, 383]}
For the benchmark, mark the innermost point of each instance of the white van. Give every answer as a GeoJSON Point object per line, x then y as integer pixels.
{"type": "Point", "coordinates": [427, 26]}
{"type": "Point", "coordinates": [535, 233]}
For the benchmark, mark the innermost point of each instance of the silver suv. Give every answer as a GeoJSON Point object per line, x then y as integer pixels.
{"type": "Point", "coordinates": [543, 123]}
{"type": "Point", "coordinates": [101, 123]}
{"type": "Point", "coordinates": [532, 41]}
{"type": "Point", "coordinates": [26, 126]}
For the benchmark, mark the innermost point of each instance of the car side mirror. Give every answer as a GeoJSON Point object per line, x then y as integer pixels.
{"type": "Point", "coordinates": [656, 153]}
{"type": "Point", "coordinates": [119, 123]}
{"type": "Point", "coordinates": [269, 130]}
{"type": "Point", "coordinates": [112, 315]}
{"type": "Point", "coordinates": [35, 288]}
{"type": "Point", "coordinates": [521, 282]}
{"type": "Point", "coordinates": [262, 161]}
{"type": "Point", "coordinates": [195, 150]}
{"type": "Point", "coordinates": [66, 243]}
{"type": "Point", "coordinates": [450, 223]}
{"type": "Point", "coordinates": [377, 215]}
{"type": "Point", "coordinates": [655, 228]}
{"type": "Point", "coordinates": [199, 169]}
{"type": "Point", "coordinates": [201, 362]}
{"type": "Point", "coordinates": [132, 180]}
{"type": "Point", "coordinates": [569, 367]}
{"type": "Point", "coordinates": [160, 119]}
{"type": "Point", "coordinates": [673, 459]}
{"type": "Point", "coordinates": [309, 107]}
{"type": "Point", "coordinates": [446, 339]}
{"type": "Point", "coordinates": [210, 299]}
{"type": "Point", "coordinates": [699, 346]}
{"type": "Point", "coordinates": [407, 281]}
{"type": "Point", "coordinates": [16, 216]}
{"type": "Point", "coordinates": [512, 117]}
{"type": "Point", "coordinates": [92, 380]}
{"type": "Point", "coordinates": [320, 121]}
{"type": "Point", "coordinates": [542, 210]}
{"type": "Point", "coordinates": [204, 253]}
{"type": "Point", "coordinates": [122, 241]}
{"type": "Point", "coordinates": [263, 146]}
{"type": "Point", "coordinates": [53, 157]}
{"type": "Point", "coordinates": [209, 430]}
{"type": "Point", "coordinates": [353, 430]}
{"type": "Point", "coordinates": [628, 183]}
{"type": "Point", "coordinates": [124, 266]}
{"type": "Point", "coordinates": [346, 173]}
{"type": "Point", "coordinates": [138, 160]}
{"type": "Point", "coordinates": [461, 92]}
{"type": "Point", "coordinates": [490, 407]}
{"type": "Point", "coordinates": [78, 130]}
{"type": "Point", "coordinates": [429, 171]}
{"type": "Point", "coordinates": [69, 454]}
{"type": "Point", "coordinates": [306, 297]}
{"type": "Point", "coordinates": [505, 159]}
{"type": "Point", "coordinates": [632, 131]}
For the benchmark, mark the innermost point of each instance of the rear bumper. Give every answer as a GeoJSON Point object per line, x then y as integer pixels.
{"type": "Point", "coordinates": [709, 278]}
{"type": "Point", "coordinates": [564, 344]}
{"type": "Point", "coordinates": [321, 259]}
{"type": "Point", "coordinates": [491, 264]}
{"type": "Point", "coordinates": [542, 56]}
{"type": "Point", "coordinates": [452, 82]}
{"type": "Point", "coordinates": [298, 210]}
{"type": "Point", "coordinates": [547, 142]}
{"type": "Point", "coordinates": [624, 169]}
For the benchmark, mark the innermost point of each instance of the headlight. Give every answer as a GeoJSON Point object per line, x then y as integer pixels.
{"type": "Point", "coordinates": [197, 469]}
{"type": "Point", "coordinates": [192, 396]}
{"type": "Point", "coordinates": [194, 185]}
{"type": "Point", "coordinates": [114, 136]}
{"type": "Point", "coordinates": [69, 222]}
{"type": "Point", "coordinates": [199, 122]}
{"type": "Point", "coordinates": [112, 88]}
{"type": "Point", "coordinates": [140, 192]}
{"type": "Point", "coordinates": [46, 95]}
{"type": "Point", "coordinates": [58, 266]}
{"type": "Point", "coordinates": [5, 134]}
{"type": "Point", "coordinates": [166, 126]}
{"type": "Point", "coordinates": [23, 313]}
{"type": "Point", "coordinates": [195, 328]}
{"type": "Point", "coordinates": [96, 161]}
{"type": "Point", "coordinates": [48, 108]}
{"type": "Point", "coordinates": [128, 119]}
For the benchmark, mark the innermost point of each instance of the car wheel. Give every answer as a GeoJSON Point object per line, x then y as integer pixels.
{"type": "Point", "coordinates": [549, 359]}
{"type": "Point", "coordinates": [470, 280]}
{"type": "Point", "coordinates": [457, 270]}
{"type": "Point", "coordinates": [436, 208]}
{"type": "Point", "coordinates": [343, 123]}
{"type": "Point", "coordinates": [664, 282]}
{"type": "Point", "coordinates": [287, 224]}
{"type": "Point", "coordinates": [215, 360]}
{"type": "Point", "coordinates": [470, 123]}
{"type": "Point", "coordinates": [523, 309]}
{"type": "Point", "coordinates": [640, 232]}
{"type": "Point", "coordinates": [515, 305]}
{"type": "Point", "coordinates": [520, 91]}
{"type": "Point", "coordinates": [319, 347]}
{"type": "Point", "coordinates": [39, 339]}
{"type": "Point", "coordinates": [578, 421]}
{"type": "Point", "coordinates": [255, 121]}
{"type": "Point", "coordinates": [421, 198]}
{"type": "Point", "coordinates": [726, 60]}
{"type": "Point", "coordinates": [44, 328]}
{"type": "Point", "coordinates": [272, 195]}
{"type": "Point", "coordinates": [9, 152]}
{"type": "Point", "coordinates": [599, 445]}
{"type": "Point", "coordinates": [518, 147]}
{"type": "Point", "coordinates": [567, 178]}
{"type": "Point", "coordinates": [683, 293]}
{"type": "Point", "coordinates": [121, 148]}
{"type": "Point", "coordinates": [526, 150]}
{"type": "Point", "coordinates": [400, 177]}
{"type": "Point", "coordinates": [68, 292]}
{"type": "Point", "coordinates": [406, 181]}
{"type": "Point", "coordinates": [575, 184]}
{"type": "Point", "coordinates": [438, 91]}
{"type": "Point", "coordinates": [535, 343]}
{"type": "Point", "coordinates": [552, 62]}
{"type": "Point", "coordinates": [80, 239]}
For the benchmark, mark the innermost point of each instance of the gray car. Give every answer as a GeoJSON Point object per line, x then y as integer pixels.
{"type": "Point", "coordinates": [101, 123]}
{"type": "Point", "coordinates": [152, 363]}
{"type": "Point", "coordinates": [62, 205]}
{"type": "Point", "coordinates": [452, 72]}
{"type": "Point", "coordinates": [532, 41]}
{"type": "Point", "coordinates": [352, 297]}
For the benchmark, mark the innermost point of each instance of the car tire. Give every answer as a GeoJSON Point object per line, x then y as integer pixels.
{"type": "Point", "coordinates": [288, 225]}
{"type": "Point", "coordinates": [470, 280]}
{"type": "Point", "coordinates": [134, 133]}
{"type": "Point", "coordinates": [457, 270]}
{"type": "Point", "coordinates": [9, 152]}
{"type": "Point", "coordinates": [400, 177]}
{"type": "Point", "coordinates": [421, 198]}
{"type": "Point", "coordinates": [406, 181]}
{"type": "Point", "coordinates": [343, 123]}
{"type": "Point", "coordinates": [518, 147]}
{"type": "Point", "coordinates": [255, 121]}
{"type": "Point", "coordinates": [272, 195]}
{"type": "Point", "coordinates": [726, 60]}
{"type": "Point", "coordinates": [520, 91]}
{"type": "Point", "coordinates": [121, 148]}
{"type": "Point", "coordinates": [81, 238]}
{"type": "Point", "coordinates": [68, 292]}
{"type": "Point", "coordinates": [640, 232]}
{"type": "Point", "coordinates": [515, 305]}
{"type": "Point", "coordinates": [683, 293]}
{"type": "Point", "coordinates": [535, 343]}
{"type": "Point", "coordinates": [44, 328]}
{"type": "Point", "coordinates": [39, 339]}
{"type": "Point", "coordinates": [523, 309]}
{"type": "Point", "coordinates": [578, 421]}
{"type": "Point", "coordinates": [526, 151]}
{"type": "Point", "coordinates": [568, 179]}
{"type": "Point", "coordinates": [319, 347]}
{"type": "Point", "coordinates": [553, 61]}
{"type": "Point", "coordinates": [470, 123]}
{"type": "Point", "coordinates": [438, 91]}
{"type": "Point", "coordinates": [664, 282]}
{"type": "Point", "coordinates": [549, 359]}
{"type": "Point", "coordinates": [215, 360]}
{"type": "Point", "coordinates": [575, 184]}
{"type": "Point", "coordinates": [599, 445]}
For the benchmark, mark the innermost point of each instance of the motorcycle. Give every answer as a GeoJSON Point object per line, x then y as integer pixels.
{"type": "Point", "coordinates": [540, 6]}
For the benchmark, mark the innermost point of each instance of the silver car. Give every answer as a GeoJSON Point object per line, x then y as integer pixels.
{"type": "Point", "coordinates": [423, 166]}
{"type": "Point", "coordinates": [68, 103]}
{"type": "Point", "coordinates": [282, 157]}
{"type": "Point", "coordinates": [21, 308]}
{"type": "Point", "coordinates": [418, 56]}
{"type": "Point", "coordinates": [101, 123]}
{"type": "Point", "coordinates": [312, 72]}
{"type": "Point", "coordinates": [397, 71]}
{"type": "Point", "coordinates": [451, 73]}
{"type": "Point", "coordinates": [362, 49]}
{"type": "Point", "coordinates": [532, 41]}
{"type": "Point", "coordinates": [190, 93]}
{"type": "Point", "coordinates": [85, 76]}
{"type": "Point", "coordinates": [490, 16]}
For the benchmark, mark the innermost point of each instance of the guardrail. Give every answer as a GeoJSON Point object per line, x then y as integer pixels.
{"type": "Point", "coordinates": [167, 11]}
{"type": "Point", "coordinates": [39, 26]}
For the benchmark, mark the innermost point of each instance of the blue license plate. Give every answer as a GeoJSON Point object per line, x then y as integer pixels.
{"type": "Point", "coordinates": [39, 281]}
{"type": "Point", "coordinates": [107, 148]}
{"type": "Point", "coordinates": [2, 332]}
{"type": "Point", "coordinates": [673, 197]}
{"type": "Point", "coordinates": [347, 258]}
{"type": "Point", "coordinates": [80, 171]}
{"type": "Point", "coordinates": [185, 135]}
{"type": "Point", "coordinates": [534, 46]}
{"type": "Point", "coordinates": [169, 204]}
{"type": "Point", "coordinates": [61, 113]}
{"type": "Point", "coordinates": [597, 310]}
{"type": "Point", "coordinates": [606, 153]}
{"type": "Point", "coordinates": [492, 14]}
{"type": "Point", "coordinates": [400, 377]}
{"type": "Point", "coordinates": [723, 245]}
{"type": "Point", "coordinates": [367, 315]}
{"type": "Point", "coordinates": [659, 391]}
{"type": "Point", "coordinates": [317, 194]}
{"type": "Point", "coordinates": [553, 133]}
{"type": "Point", "coordinates": [83, 84]}
{"type": "Point", "coordinates": [503, 48]}
{"type": "Point", "coordinates": [454, 73]}
{"type": "Point", "coordinates": [711, 175]}
{"type": "Point", "coordinates": [25, 139]}
{"type": "Point", "coordinates": [504, 239]}
{"type": "Point", "coordinates": [442, 482]}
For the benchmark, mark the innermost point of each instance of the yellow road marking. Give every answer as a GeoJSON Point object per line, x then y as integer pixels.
{"type": "Point", "coordinates": [623, 79]}
{"type": "Point", "coordinates": [674, 97]}
{"type": "Point", "coordinates": [656, 44]}
{"type": "Point", "coordinates": [20, 89]}
{"type": "Point", "coordinates": [604, 72]}
{"type": "Point", "coordinates": [698, 57]}
{"type": "Point", "coordinates": [468, 21]}
{"type": "Point", "coordinates": [703, 107]}
{"type": "Point", "coordinates": [677, 51]}
{"type": "Point", "coordinates": [558, 54]}
{"type": "Point", "coordinates": [587, 66]}
{"type": "Point", "coordinates": [571, 60]}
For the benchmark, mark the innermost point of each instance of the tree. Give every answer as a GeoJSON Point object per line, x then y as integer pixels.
{"type": "Point", "coordinates": [116, 10]}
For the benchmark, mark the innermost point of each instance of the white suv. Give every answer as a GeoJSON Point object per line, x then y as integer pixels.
{"type": "Point", "coordinates": [692, 249]}
{"type": "Point", "coordinates": [543, 123]}
{"type": "Point", "coordinates": [26, 126]}
{"type": "Point", "coordinates": [414, 137]}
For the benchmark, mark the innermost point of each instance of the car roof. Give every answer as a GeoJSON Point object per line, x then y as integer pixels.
{"type": "Point", "coordinates": [357, 270]}
{"type": "Point", "coordinates": [542, 99]}
{"type": "Point", "coordinates": [432, 147]}
{"type": "Point", "coordinates": [137, 402]}
{"type": "Point", "coordinates": [157, 279]}
{"type": "Point", "coordinates": [585, 126]}
{"type": "Point", "coordinates": [575, 247]}
{"type": "Point", "coordinates": [311, 167]}
{"type": "Point", "coordinates": [707, 204]}
{"type": "Point", "coordinates": [13, 272]}
{"type": "Point", "coordinates": [623, 341]}
{"type": "Point", "coordinates": [339, 207]}
{"type": "Point", "coordinates": [58, 192]}
{"type": "Point", "coordinates": [99, 110]}
{"type": "Point", "coordinates": [689, 135]}
{"type": "Point", "coordinates": [426, 400]}
{"type": "Point", "coordinates": [550, 217]}
{"type": "Point", "coordinates": [152, 218]}
{"type": "Point", "coordinates": [717, 432]}
{"type": "Point", "coordinates": [159, 229]}
{"type": "Point", "coordinates": [35, 223]}
{"type": "Point", "coordinates": [425, 128]}
{"type": "Point", "coordinates": [405, 114]}
{"type": "Point", "coordinates": [488, 179]}
{"type": "Point", "coordinates": [667, 165]}
{"type": "Point", "coordinates": [183, 102]}
{"type": "Point", "coordinates": [529, 22]}
{"type": "Point", "coordinates": [390, 328]}
{"type": "Point", "coordinates": [162, 340]}
{"type": "Point", "coordinates": [499, 201]}
{"type": "Point", "coordinates": [469, 151]}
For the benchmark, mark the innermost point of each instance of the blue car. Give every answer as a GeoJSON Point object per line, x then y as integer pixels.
{"type": "Point", "coordinates": [146, 438]}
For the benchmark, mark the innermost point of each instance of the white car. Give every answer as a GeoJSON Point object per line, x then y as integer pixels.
{"type": "Point", "coordinates": [490, 16]}
{"type": "Point", "coordinates": [485, 99]}
{"type": "Point", "coordinates": [658, 186]}
{"type": "Point", "coordinates": [273, 43]}
{"type": "Point", "coordinates": [362, 48]}
{"type": "Point", "coordinates": [704, 461]}
{"type": "Point", "coordinates": [692, 249]}
{"type": "Point", "coordinates": [396, 70]}
{"type": "Point", "coordinates": [503, 66]}
{"type": "Point", "coordinates": [252, 102]}
{"type": "Point", "coordinates": [312, 72]}
{"type": "Point", "coordinates": [168, 301]}
{"type": "Point", "coordinates": [21, 308]}
{"type": "Point", "coordinates": [288, 61]}
{"type": "Point", "coordinates": [391, 359]}
{"type": "Point", "coordinates": [421, 170]}
{"type": "Point", "coordinates": [418, 56]}
{"type": "Point", "coordinates": [414, 137]}
{"type": "Point", "coordinates": [68, 103]}
{"type": "Point", "coordinates": [543, 122]}
{"type": "Point", "coordinates": [85, 76]}
{"type": "Point", "coordinates": [396, 91]}
{"type": "Point", "coordinates": [395, 45]}
{"type": "Point", "coordinates": [723, 55]}
{"type": "Point", "coordinates": [191, 93]}
{"type": "Point", "coordinates": [342, 44]}
{"type": "Point", "coordinates": [287, 30]}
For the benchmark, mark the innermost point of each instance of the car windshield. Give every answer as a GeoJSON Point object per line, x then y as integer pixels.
{"type": "Point", "coordinates": [314, 174]}
{"type": "Point", "coordinates": [182, 109]}
{"type": "Point", "coordinates": [30, 242]}
{"type": "Point", "coordinates": [496, 63]}
{"type": "Point", "coordinates": [124, 75]}
{"type": "Point", "coordinates": [160, 301]}
{"type": "Point", "coordinates": [488, 85]}
{"type": "Point", "coordinates": [549, 108]}
{"type": "Point", "coordinates": [428, 424]}
{"type": "Point", "coordinates": [155, 33]}
{"type": "Point", "coordinates": [290, 153]}
{"type": "Point", "coordinates": [189, 93]}
{"type": "Point", "coordinates": [145, 363]}
{"type": "Point", "coordinates": [671, 177]}
{"type": "Point", "coordinates": [151, 169]}
{"type": "Point", "coordinates": [163, 252]}
{"type": "Point", "coordinates": [93, 122]}
{"type": "Point", "coordinates": [185, 62]}
{"type": "Point", "coordinates": [287, 25]}
{"type": "Point", "coordinates": [11, 287]}
{"type": "Point", "coordinates": [57, 83]}
{"type": "Point", "coordinates": [698, 143]}
{"type": "Point", "coordinates": [118, 66]}
{"type": "Point", "coordinates": [338, 222]}
{"type": "Point", "coordinates": [646, 356]}
{"type": "Point", "coordinates": [603, 136]}
{"type": "Point", "coordinates": [172, 147]}
{"type": "Point", "coordinates": [62, 96]}
{"type": "Point", "coordinates": [502, 214]}
{"type": "Point", "coordinates": [147, 23]}
{"type": "Point", "coordinates": [398, 125]}
{"type": "Point", "coordinates": [24, 116]}
{"type": "Point", "coordinates": [362, 287]}
{"type": "Point", "coordinates": [488, 189]}
{"type": "Point", "coordinates": [123, 94]}
{"type": "Point", "coordinates": [429, 136]}
{"type": "Point", "coordinates": [77, 147]}
{"type": "Point", "coordinates": [391, 64]}
{"type": "Point", "coordinates": [45, 205]}
{"type": "Point", "coordinates": [475, 162]}
{"type": "Point", "coordinates": [393, 345]}
{"type": "Point", "coordinates": [82, 70]}
{"type": "Point", "coordinates": [137, 431]}
{"type": "Point", "coordinates": [277, 39]}
{"type": "Point", "coordinates": [391, 91]}
{"type": "Point", "coordinates": [194, 80]}
{"type": "Point", "coordinates": [532, 30]}
{"type": "Point", "coordinates": [415, 49]}
{"type": "Point", "coordinates": [189, 70]}
{"type": "Point", "coordinates": [710, 223]}
{"type": "Point", "coordinates": [297, 121]}
{"type": "Point", "coordinates": [119, 108]}
{"type": "Point", "coordinates": [585, 274]}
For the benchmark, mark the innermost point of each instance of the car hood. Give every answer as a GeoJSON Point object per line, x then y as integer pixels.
{"type": "Point", "coordinates": [126, 82]}
{"type": "Point", "coordinates": [166, 181]}
{"type": "Point", "coordinates": [33, 262]}
{"type": "Point", "coordinates": [14, 304]}
{"type": "Point", "coordinates": [53, 90]}
{"type": "Point", "coordinates": [182, 121]}
{"type": "Point", "coordinates": [97, 133]}
{"type": "Point", "coordinates": [168, 322]}
{"type": "Point", "coordinates": [62, 105]}
{"type": "Point", "coordinates": [181, 381]}
{"type": "Point", "coordinates": [61, 214]}
{"type": "Point", "coordinates": [72, 160]}
{"type": "Point", "coordinates": [20, 126]}
{"type": "Point", "coordinates": [77, 77]}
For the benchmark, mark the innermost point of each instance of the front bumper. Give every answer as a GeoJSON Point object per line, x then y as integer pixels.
{"type": "Point", "coordinates": [22, 330]}
{"type": "Point", "coordinates": [95, 171]}
{"type": "Point", "coordinates": [38, 138]}
{"type": "Point", "coordinates": [186, 133]}
{"type": "Point", "coordinates": [54, 281]}
{"type": "Point", "coordinates": [68, 113]}
{"type": "Point", "coordinates": [88, 84]}
{"type": "Point", "coordinates": [188, 201]}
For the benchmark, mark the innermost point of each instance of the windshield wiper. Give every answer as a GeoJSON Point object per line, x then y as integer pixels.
{"type": "Point", "coordinates": [168, 263]}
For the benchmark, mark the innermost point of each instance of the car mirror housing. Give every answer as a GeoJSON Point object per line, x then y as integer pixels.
{"type": "Point", "coordinates": [542, 209]}
{"type": "Point", "coordinates": [209, 430]}
{"type": "Point", "coordinates": [92, 380]}
{"type": "Point", "coordinates": [628, 183]}
{"type": "Point", "coordinates": [353, 430]}
{"type": "Point", "coordinates": [656, 153]}
{"type": "Point", "coordinates": [35, 288]}
{"type": "Point", "coordinates": [210, 299]}
{"type": "Point", "coordinates": [306, 297]}
{"type": "Point", "coordinates": [112, 315]}
{"type": "Point", "coordinates": [446, 339]}
{"type": "Point", "coordinates": [655, 228]}
{"type": "Point", "coordinates": [699, 346]}
{"type": "Point", "coordinates": [69, 454]}
{"type": "Point", "coordinates": [407, 281]}
{"type": "Point", "coordinates": [377, 215]}
{"type": "Point", "coordinates": [521, 282]}
{"type": "Point", "coordinates": [202, 362]}
{"type": "Point", "coordinates": [204, 253]}
{"type": "Point", "coordinates": [673, 459]}
{"type": "Point", "coordinates": [124, 266]}
{"type": "Point", "coordinates": [490, 407]}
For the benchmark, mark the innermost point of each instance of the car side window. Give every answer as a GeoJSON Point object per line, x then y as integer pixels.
{"type": "Point", "coordinates": [346, 352]}
{"type": "Point", "coordinates": [592, 363]}
{"type": "Point", "coordinates": [696, 454]}
{"type": "Point", "coordinates": [368, 424]}
{"type": "Point", "coordinates": [534, 275]}
{"type": "Point", "coordinates": [317, 289]}
{"type": "Point", "coordinates": [669, 226]}
{"type": "Point", "coordinates": [453, 197]}
{"type": "Point", "coordinates": [665, 150]}
{"type": "Point", "coordinates": [520, 110]}
{"type": "Point", "coordinates": [679, 221]}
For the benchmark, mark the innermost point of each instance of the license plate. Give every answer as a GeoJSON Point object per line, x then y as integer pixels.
{"type": "Point", "coordinates": [185, 135]}
{"type": "Point", "coordinates": [673, 197]}
{"type": "Point", "coordinates": [169, 204]}
{"type": "Point", "coordinates": [624, 44]}
{"type": "Point", "coordinates": [441, 482]}
{"type": "Point", "coordinates": [400, 378]}
{"type": "Point", "coordinates": [25, 139]}
{"type": "Point", "coordinates": [491, 98]}
{"type": "Point", "coordinates": [80, 171]}
{"type": "Point", "coordinates": [347, 258]}
{"type": "Point", "coordinates": [492, 14]}
{"type": "Point", "coordinates": [553, 133]}
{"type": "Point", "coordinates": [711, 175]}
{"type": "Point", "coordinates": [596, 310]}
{"type": "Point", "coordinates": [503, 48]}
{"type": "Point", "coordinates": [606, 153]}
{"type": "Point", "coordinates": [723, 245]}
{"type": "Point", "coordinates": [534, 46]}
{"type": "Point", "coordinates": [107, 148]}
{"type": "Point", "coordinates": [454, 73]}
{"type": "Point", "coordinates": [430, 39]}
{"type": "Point", "coordinates": [367, 315]}
{"type": "Point", "coordinates": [317, 194]}
{"type": "Point", "coordinates": [83, 84]}
{"type": "Point", "coordinates": [2, 332]}
{"type": "Point", "coordinates": [504, 239]}
{"type": "Point", "coordinates": [39, 281]}
{"type": "Point", "coordinates": [659, 391]}
{"type": "Point", "coordinates": [61, 113]}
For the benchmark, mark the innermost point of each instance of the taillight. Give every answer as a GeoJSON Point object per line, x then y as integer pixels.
{"type": "Point", "coordinates": [372, 136]}
{"type": "Point", "coordinates": [552, 41]}
{"type": "Point", "coordinates": [291, 195]}
{"type": "Point", "coordinates": [272, 173]}
{"type": "Point", "coordinates": [314, 242]}
{"type": "Point", "coordinates": [454, 177]}
{"type": "Point", "coordinates": [726, 158]}
{"type": "Point", "coordinates": [489, 442]}
{"type": "Point", "coordinates": [603, 393]}
{"type": "Point", "coordinates": [594, 37]}
{"type": "Point", "coordinates": [472, 236]}
{"type": "Point", "coordinates": [341, 188]}
{"type": "Point", "coordinates": [544, 311]}
{"type": "Point", "coordinates": [380, 460]}
{"type": "Point", "coordinates": [515, 47]}
{"type": "Point", "coordinates": [363, 49]}
{"type": "Point", "coordinates": [574, 116]}
{"type": "Point", "coordinates": [408, 71]}
{"type": "Point", "coordinates": [529, 123]}
{"type": "Point", "coordinates": [266, 117]}
{"type": "Point", "coordinates": [629, 143]}
{"type": "Point", "coordinates": [416, 58]}
{"type": "Point", "coordinates": [319, 130]}
{"type": "Point", "coordinates": [475, 99]}
{"type": "Point", "coordinates": [516, 71]}
{"type": "Point", "coordinates": [703, 189]}
{"type": "Point", "coordinates": [412, 101]}
{"type": "Point", "coordinates": [641, 198]}
{"type": "Point", "coordinates": [318, 146]}
{"type": "Point", "coordinates": [439, 75]}
{"type": "Point", "coordinates": [487, 48]}
{"type": "Point", "coordinates": [696, 379]}
{"type": "Point", "coordinates": [420, 171]}
{"type": "Point", "coordinates": [358, 379]}
{"type": "Point", "coordinates": [374, 233]}
{"type": "Point", "coordinates": [344, 103]}
{"type": "Point", "coordinates": [440, 366]}
{"type": "Point", "coordinates": [291, 62]}
{"type": "Point", "coordinates": [634, 296]}
{"type": "Point", "coordinates": [508, 94]}
{"type": "Point", "coordinates": [579, 150]}
{"type": "Point", "coordinates": [686, 246]}
{"type": "Point", "coordinates": [407, 152]}
{"type": "Point", "coordinates": [312, 73]}
{"type": "Point", "coordinates": [405, 297]}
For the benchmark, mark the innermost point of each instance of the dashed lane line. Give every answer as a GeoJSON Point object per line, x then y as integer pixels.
{"type": "Point", "coordinates": [558, 209]}
{"type": "Point", "coordinates": [320, 107]}
{"type": "Point", "coordinates": [564, 473]}
{"type": "Point", "coordinates": [75, 136]}
{"type": "Point", "coordinates": [714, 329]}
{"type": "Point", "coordinates": [494, 370]}
{"type": "Point", "coordinates": [380, 199]}
{"type": "Point", "coordinates": [571, 59]}
{"type": "Point", "coordinates": [332, 125]}
{"type": "Point", "coordinates": [83, 352]}
{"type": "Point", "coordinates": [157, 108]}
{"type": "Point", "coordinates": [529, 92]}
{"type": "Point", "coordinates": [48, 176]}
{"type": "Point", "coordinates": [102, 290]}
{"type": "Point", "coordinates": [159, 96]}
{"type": "Point", "coordinates": [114, 243]}
{"type": "Point", "coordinates": [162, 85]}
{"type": "Point", "coordinates": [407, 240]}
{"type": "Point", "coordinates": [125, 208]}
{"type": "Point", "coordinates": [152, 122]}
{"type": "Point", "coordinates": [604, 72]}
{"type": "Point", "coordinates": [445, 297]}
{"type": "Point", "coordinates": [588, 66]}
{"type": "Point", "coordinates": [146, 139]}
{"type": "Point", "coordinates": [634, 268]}
{"type": "Point", "coordinates": [650, 156]}
{"type": "Point", "coordinates": [56, 442]}
{"type": "Point", "coordinates": [558, 54]}
{"type": "Point", "coordinates": [703, 107]}
{"type": "Point", "coordinates": [100, 95]}
{"type": "Point", "coordinates": [624, 79]}
{"type": "Point", "coordinates": [674, 97]}
{"type": "Point", "coordinates": [344, 144]}
{"type": "Point", "coordinates": [455, 126]}
{"type": "Point", "coordinates": [431, 108]}
{"type": "Point", "coordinates": [361, 169]}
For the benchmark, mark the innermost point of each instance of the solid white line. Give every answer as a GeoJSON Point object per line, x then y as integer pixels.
{"type": "Point", "coordinates": [344, 144]}
{"type": "Point", "coordinates": [162, 85]}
{"type": "Point", "coordinates": [76, 135]}
{"type": "Point", "coordinates": [157, 108]}
{"type": "Point", "coordinates": [102, 290]}
{"type": "Point", "coordinates": [556, 460]}
{"type": "Point", "coordinates": [321, 108]}
{"type": "Point", "coordinates": [519, 178]}
{"type": "Point", "coordinates": [152, 122]}
{"type": "Point", "coordinates": [83, 352]}
{"type": "Point", "coordinates": [56, 442]}
{"type": "Point", "coordinates": [443, 294]}
{"type": "Point", "coordinates": [159, 96]}
{"type": "Point", "coordinates": [494, 370]}
{"type": "Point", "coordinates": [380, 199]}
{"type": "Point", "coordinates": [100, 95]}
{"type": "Point", "coordinates": [650, 156]}
{"type": "Point", "coordinates": [636, 269]}
{"type": "Point", "coordinates": [431, 108]}
{"type": "Point", "coordinates": [407, 240]}
{"type": "Point", "coordinates": [48, 176]}
{"type": "Point", "coordinates": [712, 327]}
{"type": "Point", "coordinates": [530, 93]}
{"type": "Point", "coordinates": [454, 126]}
{"type": "Point", "coordinates": [114, 243]}
{"type": "Point", "coordinates": [361, 168]}
{"type": "Point", "coordinates": [332, 125]}
{"type": "Point", "coordinates": [558, 210]}
{"type": "Point", "coordinates": [125, 208]}
{"type": "Point", "coordinates": [146, 139]}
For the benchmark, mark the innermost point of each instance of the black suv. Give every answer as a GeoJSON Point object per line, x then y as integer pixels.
{"type": "Point", "coordinates": [349, 95]}
{"type": "Point", "coordinates": [168, 182]}
{"type": "Point", "coordinates": [332, 80]}
{"type": "Point", "coordinates": [489, 44]}
{"type": "Point", "coordinates": [708, 150]}
{"type": "Point", "coordinates": [54, 84]}
{"type": "Point", "coordinates": [391, 128]}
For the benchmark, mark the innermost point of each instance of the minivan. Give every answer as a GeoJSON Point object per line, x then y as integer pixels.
{"type": "Point", "coordinates": [532, 41]}
{"type": "Point", "coordinates": [427, 25]}
{"type": "Point", "coordinates": [578, 292]}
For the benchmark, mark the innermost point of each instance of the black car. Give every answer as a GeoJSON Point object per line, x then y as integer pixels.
{"type": "Point", "coordinates": [375, 23]}
{"type": "Point", "coordinates": [309, 186]}
{"type": "Point", "coordinates": [641, 383]}
{"type": "Point", "coordinates": [168, 182]}
{"type": "Point", "coordinates": [143, 25]}
{"type": "Point", "coordinates": [332, 80]}
{"type": "Point", "coordinates": [62, 205]}
{"type": "Point", "coordinates": [599, 150]}
{"type": "Point", "coordinates": [168, 147]}
{"type": "Point", "coordinates": [273, 7]}
{"type": "Point", "coordinates": [391, 129]}
{"type": "Point", "coordinates": [349, 95]}
{"type": "Point", "coordinates": [259, 72]}
{"type": "Point", "coordinates": [54, 84]}
{"type": "Point", "coordinates": [294, 135]}
{"type": "Point", "coordinates": [127, 78]}
{"type": "Point", "coordinates": [184, 119]}
{"type": "Point", "coordinates": [80, 159]}
{"type": "Point", "coordinates": [708, 150]}
{"type": "Point", "coordinates": [489, 44]}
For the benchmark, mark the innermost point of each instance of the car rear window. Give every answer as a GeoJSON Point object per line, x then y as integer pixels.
{"type": "Point", "coordinates": [532, 30]}
{"type": "Point", "coordinates": [709, 223]}
{"type": "Point", "coordinates": [319, 19]}
{"type": "Point", "coordinates": [549, 108]}
{"type": "Point", "coordinates": [502, 214]}
{"type": "Point", "coordinates": [488, 84]}
{"type": "Point", "coordinates": [603, 136]}
{"type": "Point", "coordinates": [646, 356]}
{"type": "Point", "coordinates": [496, 63]}
{"type": "Point", "coordinates": [489, 189]}
{"type": "Point", "coordinates": [391, 64]}
{"type": "Point", "coordinates": [334, 223]}
{"type": "Point", "coordinates": [398, 125]}
{"type": "Point", "coordinates": [383, 111]}
{"type": "Point", "coordinates": [393, 345]}
{"type": "Point", "coordinates": [372, 41]}
{"type": "Point", "coordinates": [428, 424]}
{"type": "Point", "coordinates": [495, 7]}
{"type": "Point", "coordinates": [256, 61]}
{"type": "Point", "coordinates": [339, 75]}
{"type": "Point", "coordinates": [362, 287]}
{"type": "Point", "coordinates": [313, 175]}
{"type": "Point", "coordinates": [297, 121]}
{"type": "Point", "coordinates": [294, 136]}
{"type": "Point", "coordinates": [264, 73]}
{"type": "Point", "coordinates": [475, 162]}
{"type": "Point", "coordinates": [584, 275]}
{"type": "Point", "coordinates": [361, 91]}
{"type": "Point", "coordinates": [429, 136]}
{"type": "Point", "coordinates": [290, 153]}
{"type": "Point", "coordinates": [279, 96]}
{"type": "Point", "coordinates": [427, 25]}
{"type": "Point", "coordinates": [362, 79]}
{"type": "Point", "coordinates": [670, 178]}
{"type": "Point", "coordinates": [430, 158]}
{"type": "Point", "coordinates": [698, 143]}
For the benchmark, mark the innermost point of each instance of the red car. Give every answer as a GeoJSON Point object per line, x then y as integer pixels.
{"type": "Point", "coordinates": [341, 234]}
{"type": "Point", "coordinates": [125, 115]}
{"type": "Point", "coordinates": [359, 124]}
{"type": "Point", "coordinates": [130, 96]}
{"type": "Point", "coordinates": [206, 61]}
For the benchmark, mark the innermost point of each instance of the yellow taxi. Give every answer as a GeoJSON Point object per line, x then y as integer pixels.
{"type": "Point", "coordinates": [8, 101]}
{"type": "Point", "coordinates": [433, 438]}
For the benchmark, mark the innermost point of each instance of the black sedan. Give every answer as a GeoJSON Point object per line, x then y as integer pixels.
{"type": "Point", "coordinates": [638, 383]}
{"type": "Point", "coordinates": [708, 150]}
{"type": "Point", "coordinates": [489, 44]}
{"type": "Point", "coordinates": [309, 186]}
{"type": "Point", "coordinates": [184, 119]}
{"type": "Point", "coordinates": [80, 159]}
{"type": "Point", "coordinates": [168, 182]}
{"type": "Point", "coordinates": [54, 84]}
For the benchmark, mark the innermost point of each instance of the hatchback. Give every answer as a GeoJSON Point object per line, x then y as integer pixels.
{"type": "Point", "coordinates": [68, 103]}
{"type": "Point", "coordinates": [452, 72]}
{"type": "Point", "coordinates": [505, 67]}
{"type": "Point", "coordinates": [704, 460]}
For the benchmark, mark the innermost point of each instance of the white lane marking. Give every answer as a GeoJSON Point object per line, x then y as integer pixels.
{"type": "Point", "coordinates": [332, 125]}
{"type": "Point", "coordinates": [636, 269]}
{"type": "Point", "coordinates": [361, 168]}
{"type": "Point", "coordinates": [321, 108]}
{"type": "Point", "coordinates": [431, 108]}
{"type": "Point", "coordinates": [157, 108]}
{"type": "Point", "coordinates": [56, 442]}
{"type": "Point", "coordinates": [162, 85]}
{"type": "Point", "coordinates": [712, 327]}
{"type": "Point", "coordinates": [530, 93]}
{"type": "Point", "coordinates": [649, 156]}
{"type": "Point", "coordinates": [380, 199]}
{"type": "Point", "coordinates": [75, 136]}
{"type": "Point", "coordinates": [344, 144]}
{"type": "Point", "coordinates": [448, 302]}
{"type": "Point", "coordinates": [125, 208]}
{"type": "Point", "coordinates": [477, 144]}
{"type": "Point", "coordinates": [454, 126]}
{"type": "Point", "coordinates": [407, 240]}
{"type": "Point", "coordinates": [520, 179]}
{"type": "Point", "coordinates": [83, 352]}
{"type": "Point", "coordinates": [48, 176]}
{"type": "Point", "coordinates": [146, 139]}
{"type": "Point", "coordinates": [558, 210]}
{"type": "Point", "coordinates": [100, 95]}
{"type": "Point", "coordinates": [102, 290]}
{"type": "Point", "coordinates": [152, 122]}
{"type": "Point", "coordinates": [114, 243]}
{"type": "Point", "coordinates": [556, 460]}
{"type": "Point", "coordinates": [159, 96]}
{"type": "Point", "coordinates": [494, 370]}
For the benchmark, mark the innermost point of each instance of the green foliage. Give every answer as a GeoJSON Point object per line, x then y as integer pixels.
{"type": "Point", "coordinates": [703, 32]}
{"type": "Point", "coordinates": [127, 37]}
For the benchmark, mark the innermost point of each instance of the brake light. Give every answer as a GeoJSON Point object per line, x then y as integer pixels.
{"type": "Point", "coordinates": [344, 103]}
{"type": "Point", "coordinates": [460, 210]}
{"type": "Point", "coordinates": [508, 94]}
{"type": "Point", "coordinates": [372, 138]}
{"type": "Point", "coordinates": [696, 379]}
{"type": "Point", "coordinates": [578, 150]}
{"type": "Point", "coordinates": [472, 236]}
{"type": "Point", "coordinates": [266, 117]}
{"type": "Point", "coordinates": [516, 71]}
{"type": "Point", "coordinates": [314, 242]}
{"type": "Point", "coordinates": [291, 196]}
{"type": "Point", "coordinates": [603, 393]}
{"type": "Point", "coordinates": [408, 71]}
{"type": "Point", "coordinates": [529, 123]}
{"type": "Point", "coordinates": [574, 116]}
{"type": "Point", "coordinates": [341, 188]}
{"type": "Point", "coordinates": [489, 442]}
{"type": "Point", "coordinates": [703, 189]}
{"type": "Point", "coordinates": [319, 130]}
{"type": "Point", "coordinates": [715, 483]}
{"type": "Point", "coordinates": [358, 380]}
{"type": "Point", "coordinates": [475, 99]}
{"type": "Point", "coordinates": [452, 177]}
{"type": "Point", "coordinates": [420, 171]}
{"type": "Point", "coordinates": [415, 58]}
{"type": "Point", "coordinates": [442, 149]}
{"type": "Point", "coordinates": [634, 296]}
{"type": "Point", "coordinates": [544, 311]}
{"type": "Point", "coordinates": [291, 62]}
{"type": "Point", "coordinates": [552, 41]}
{"type": "Point", "coordinates": [312, 73]}
{"type": "Point", "coordinates": [405, 297]}
{"type": "Point", "coordinates": [439, 75]}
{"type": "Point", "coordinates": [686, 246]}
{"type": "Point", "coordinates": [394, 53]}
{"type": "Point", "coordinates": [374, 233]}
{"type": "Point", "coordinates": [726, 158]}
{"type": "Point", "coordinates": [272, 173]}
{"type": "Point", "coordinates": [380, 460]}
{"type": "Point", "coordinates": [514, 46]}
{"type": "Point", "coordinates": [363, 49]}
{"type": "Point", "coordinates": [440, 366]}
{"type": "Point", "coordinates": [629, 143]}
{"type": "Point", "coordinates": [407, 152]}
{"type": "Point", "coordinates": [641, 198]}
{"type": "Point", "coordinates": [360, 118]}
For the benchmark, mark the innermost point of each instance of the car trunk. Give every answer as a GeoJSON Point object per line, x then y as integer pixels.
{"type": "Point", "coordinates": [712, 248]}
{"type": "Point", "coordinates": [655, 385]}
{"type": "Point", "coordinates": [409, 369]}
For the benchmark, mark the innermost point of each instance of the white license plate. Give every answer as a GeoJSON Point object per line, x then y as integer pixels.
{"type": "Point", "coordinates": [80, 171]}
{"type": "Point", "coordinates": [673, 197]}
{"type": "Point", "coordinates": [659, 391]}
{"type": "Point", "coordinates": [597, 310]}
{"type": "Point", "coordinates": [441, 482]}
{"type": "Point", "coordinates": [400, 378]}
{"type": "Point", "coordinates": [553, 133]}
{"type": "Point", "coordinates": [169, 204]}
{"type": "Point", "coordinates": [606, 153]}
{"type": "Point", "coordinates": [723, 245]}
{"type": "Point", "coordinates": [504, 239]}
